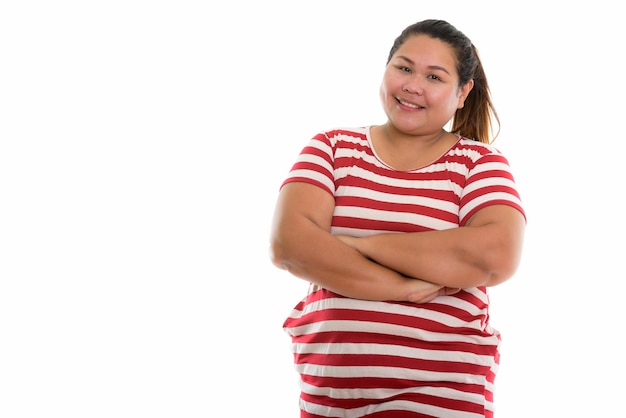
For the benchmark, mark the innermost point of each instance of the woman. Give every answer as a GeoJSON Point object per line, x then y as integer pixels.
{"type": "Point", "coordinates": [400, 228]}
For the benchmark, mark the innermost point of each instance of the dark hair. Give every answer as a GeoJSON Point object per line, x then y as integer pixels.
{"type": "Point", "coordinates": [474, 119]}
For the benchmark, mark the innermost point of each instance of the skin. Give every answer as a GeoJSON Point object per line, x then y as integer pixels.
{"type": "Point", "coordinates": [419, 94]}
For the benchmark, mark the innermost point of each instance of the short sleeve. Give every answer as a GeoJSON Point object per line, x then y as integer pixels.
{"type": "Point", "coordinates": [489, 182]}
{"type": "Point", "coordinates": [314, 164]}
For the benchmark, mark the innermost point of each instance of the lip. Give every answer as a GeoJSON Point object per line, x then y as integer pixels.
{"type": "Point", "coordinates": [409, 105]}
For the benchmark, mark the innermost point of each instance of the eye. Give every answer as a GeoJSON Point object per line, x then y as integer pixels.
{"type": "Point", "coordinates": [404, 69]}
{"type": "Point", "coordinates": [434, 77]}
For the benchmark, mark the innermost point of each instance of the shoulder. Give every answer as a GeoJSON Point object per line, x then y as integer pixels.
{"type": "Point", "coordinates": [477, 151]}
{"type": "Point", "coordinates": [477, 146]}
{"type": "Point", "coordinates": [346, 132]}
{"type": "Point", "coordinates": [343, 137]}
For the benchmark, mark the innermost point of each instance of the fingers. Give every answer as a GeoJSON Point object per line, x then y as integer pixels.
{"type": "Point", "coordinates": [447, 291]}
{"type": "Point", "coordinates": [421, 297]}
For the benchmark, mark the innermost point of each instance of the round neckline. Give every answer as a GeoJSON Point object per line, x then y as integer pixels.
{"type": "Point", "coordinates": [368, 136]}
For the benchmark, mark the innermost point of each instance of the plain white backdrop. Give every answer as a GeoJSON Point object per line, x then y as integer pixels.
{"type": "Point", "coordinates": [142, 145]}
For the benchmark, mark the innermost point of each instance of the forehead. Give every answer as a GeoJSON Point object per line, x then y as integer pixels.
{"type": "Point", "coordinates": [427, 50]}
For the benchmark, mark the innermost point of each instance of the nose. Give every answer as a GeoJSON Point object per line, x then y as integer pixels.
{"type": "Point", "coordinates": [413, 85]}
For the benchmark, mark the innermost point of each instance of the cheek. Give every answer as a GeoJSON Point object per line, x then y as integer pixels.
{"type": "Point", "coordinates": [389, 83]}
{"type": "Point", "coordinates": [383, 93]}
{"type": "Point", "coordinates": [450, 100]}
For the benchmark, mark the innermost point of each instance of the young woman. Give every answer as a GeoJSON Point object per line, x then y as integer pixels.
{"type": "Point", "coordinates": [400, 229]}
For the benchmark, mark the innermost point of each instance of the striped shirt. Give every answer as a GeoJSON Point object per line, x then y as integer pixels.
{"type": "Point", "coordinates": [359, 358]}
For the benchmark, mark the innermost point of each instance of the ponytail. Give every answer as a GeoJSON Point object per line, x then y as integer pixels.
{"type": "Point", "coordinates": [475, 120]}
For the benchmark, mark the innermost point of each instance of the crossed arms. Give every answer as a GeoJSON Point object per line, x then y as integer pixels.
{"type": "Point", "coordinates": [413, 267]}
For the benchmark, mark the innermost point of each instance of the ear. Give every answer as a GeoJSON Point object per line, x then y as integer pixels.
{"type": "Point", "coordinates": [464, 91]}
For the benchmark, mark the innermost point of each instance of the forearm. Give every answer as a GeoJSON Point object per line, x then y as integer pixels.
{"type": "Point", "coordinates": [301, 243]}
{"type": "Point", "coordinates": [460, 257]}
{"type": "Point", "coordinates": [316, 256]}
{"type": "Point", "coordinates": [433, 256]}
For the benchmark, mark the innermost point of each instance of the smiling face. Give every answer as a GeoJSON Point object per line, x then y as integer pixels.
{"type": "Point", "coordinates": [420, 90]}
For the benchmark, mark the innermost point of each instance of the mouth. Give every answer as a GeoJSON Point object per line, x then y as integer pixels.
{"type": "Point", "coordinates": [410, 105]}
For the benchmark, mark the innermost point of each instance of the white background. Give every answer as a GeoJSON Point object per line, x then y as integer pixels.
{"type": "Point", "coordinates": [142, 145]}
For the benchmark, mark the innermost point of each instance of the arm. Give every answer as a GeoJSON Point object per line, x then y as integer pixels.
{"type": "Point", "coordinates": [484, 252]}
{"type": "Point", "coordinates": [301, 243]}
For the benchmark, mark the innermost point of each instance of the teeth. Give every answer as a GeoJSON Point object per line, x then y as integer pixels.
{"type": "Point", "coordinates": [411, 105]}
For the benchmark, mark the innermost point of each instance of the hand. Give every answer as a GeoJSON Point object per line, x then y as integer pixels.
{"type": "Point", "coordinates": [426, 295]}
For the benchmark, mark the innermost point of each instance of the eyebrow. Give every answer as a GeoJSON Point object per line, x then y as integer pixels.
{"type": "Point", "coordinates": [432, 67]}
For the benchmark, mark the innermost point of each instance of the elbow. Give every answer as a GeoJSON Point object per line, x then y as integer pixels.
{"type": "Point", "coordinates": [284, 254]}
{"type": "Point", "coordinates": [497, 249]}
{"type": "Point", "coordinates": [502, 258]}
{"type": "Point", "coordinates": [500, 275]}
{"type": "Point", "coordinates": [277, 254]}
{"type": "Point", "coordinates": [500, 266]}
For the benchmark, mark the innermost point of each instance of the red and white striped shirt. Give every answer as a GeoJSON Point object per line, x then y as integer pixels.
{"type": "Point", "coordinates": [360, 358]}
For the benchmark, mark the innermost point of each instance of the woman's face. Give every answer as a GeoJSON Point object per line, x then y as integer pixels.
{"type": "Point", "coordinates": [420, 92]}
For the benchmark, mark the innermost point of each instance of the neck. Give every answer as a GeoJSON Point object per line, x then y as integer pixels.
{"type": "Point", "coordinates": [407, 152]}
{"type": "Point", "coordinates": [398, 138]}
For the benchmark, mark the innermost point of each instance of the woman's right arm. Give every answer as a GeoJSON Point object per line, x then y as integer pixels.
{"type": "Point", "coordinates": [301, 243]}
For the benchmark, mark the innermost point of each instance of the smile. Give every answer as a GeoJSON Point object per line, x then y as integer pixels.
{"type": "Point", "coordinates": [411, 105]}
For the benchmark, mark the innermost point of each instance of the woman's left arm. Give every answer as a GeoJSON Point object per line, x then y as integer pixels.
{"type": "Point", "coordinates": [484, 252]}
